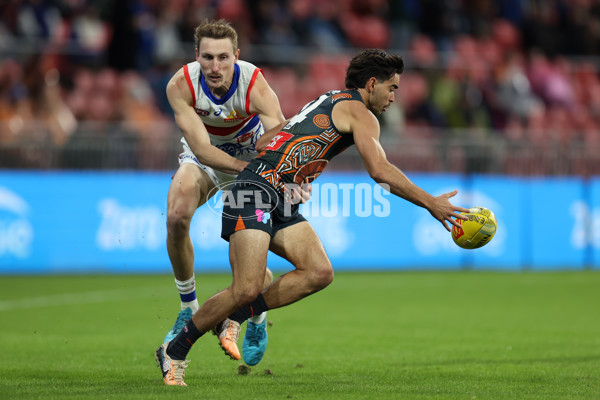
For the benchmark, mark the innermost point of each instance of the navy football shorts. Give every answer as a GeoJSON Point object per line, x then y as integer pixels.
{"type": "Point", "coordinates": [252, 203]}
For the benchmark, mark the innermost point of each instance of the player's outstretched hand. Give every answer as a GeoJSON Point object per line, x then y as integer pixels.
{"type": "Point", "coordinates": [443, 210]}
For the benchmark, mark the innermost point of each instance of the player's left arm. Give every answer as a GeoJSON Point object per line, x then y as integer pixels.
{"type": "Point", "coordinates": [268, 136]}
{"type": "Point", "coordinates": [365, 129]}
{"type": "Point", "coordinates": [264, 102]}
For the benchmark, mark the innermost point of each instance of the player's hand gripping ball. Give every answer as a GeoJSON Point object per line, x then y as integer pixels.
{"type": "Point", "coordinates": [477, 231]}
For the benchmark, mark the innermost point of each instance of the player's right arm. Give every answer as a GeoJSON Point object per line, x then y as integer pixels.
{"type": "Point", "coordinates": [194, 131]}
{"type": "Point", "coordinates": [354, 117]}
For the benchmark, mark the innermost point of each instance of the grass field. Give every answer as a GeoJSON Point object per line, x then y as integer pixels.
{"type": "Point", "coordinates": [401, 335]}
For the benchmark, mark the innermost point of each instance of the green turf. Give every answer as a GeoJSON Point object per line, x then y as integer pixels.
{"type": "Point", "coordinates": [404, 335]}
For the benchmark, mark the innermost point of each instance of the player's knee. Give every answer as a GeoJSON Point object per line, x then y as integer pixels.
{"type": "Point", "coordinates": [245, 295]}
{"type": "Point", "coordinates": [243, 299]}
{"type": "Point", "coordinates": [177, 223]}
{"type": "Point", "coordinates": [322, 276]}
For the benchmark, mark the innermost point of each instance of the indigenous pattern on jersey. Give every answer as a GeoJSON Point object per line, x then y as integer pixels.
{"type": "Point", "coordinates": [302, 150]}
{"type": "Point", "coordinates": [231, 126]}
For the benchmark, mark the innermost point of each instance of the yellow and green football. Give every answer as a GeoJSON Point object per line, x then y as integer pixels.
{"type": "Point", "coordinates": [477, 231]}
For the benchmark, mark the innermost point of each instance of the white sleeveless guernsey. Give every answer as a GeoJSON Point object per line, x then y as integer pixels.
{"type": "Point", "coordinates": [231, 126]}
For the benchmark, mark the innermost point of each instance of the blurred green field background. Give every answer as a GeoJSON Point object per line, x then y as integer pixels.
{"type": "Point", "coordinates": [401, 335]}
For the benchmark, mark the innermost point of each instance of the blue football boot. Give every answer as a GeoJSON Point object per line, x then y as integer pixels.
{"type": "Point", "coordinates": [255, 342]}
{"type": "Point", "coordinates": [182, 319]}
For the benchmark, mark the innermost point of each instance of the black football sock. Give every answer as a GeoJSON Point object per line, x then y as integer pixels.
{"type": "Point", "coordinates": [255, 308]}
{"type": "Point", "coordinates": [180, 346]}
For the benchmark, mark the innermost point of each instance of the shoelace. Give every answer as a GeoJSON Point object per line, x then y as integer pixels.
{"type": "Point", "coordinates": [177, 369]}
{"type": "Point", "coordinates": [232, 331]}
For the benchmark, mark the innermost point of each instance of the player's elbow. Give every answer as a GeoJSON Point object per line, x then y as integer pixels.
{"type": "Point", "coordinates": [377, 172]}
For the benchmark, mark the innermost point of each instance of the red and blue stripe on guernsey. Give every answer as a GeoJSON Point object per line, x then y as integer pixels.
{"type": "Point", "coordinates": [250, 123]}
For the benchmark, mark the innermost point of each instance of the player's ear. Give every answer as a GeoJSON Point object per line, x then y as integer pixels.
{"type": "Point", "coordinates": [237, 55]}
{"type": "Point", "coordinates": [371, 83]}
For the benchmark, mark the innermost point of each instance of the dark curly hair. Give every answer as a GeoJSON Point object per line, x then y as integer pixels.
{"type": "Point", "coordinates": [372, 63]}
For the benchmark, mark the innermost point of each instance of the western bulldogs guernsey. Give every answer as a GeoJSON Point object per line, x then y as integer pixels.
{"type": "Point", "coordinates": [302, 150]}
{"type": "Point", "coordinates": [228, 121]}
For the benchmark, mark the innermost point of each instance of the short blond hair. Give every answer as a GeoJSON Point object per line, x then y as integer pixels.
{"type": "Point", "coordinates": [216, 29]}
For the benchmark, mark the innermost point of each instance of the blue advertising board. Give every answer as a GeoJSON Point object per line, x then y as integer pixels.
{"type": "Point", "coordinates": [554, 224]}
{"type": "Point", "coordinates": [61, 222]}
{"type": "Point", "coordinates": [364, 226]}
{"type": "Point", "coordinates": [115, 222]}
{"type": "Point", "coordinates": [586, 217]}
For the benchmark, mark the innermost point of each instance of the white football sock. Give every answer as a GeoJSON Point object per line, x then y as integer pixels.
{"type": "Point", "coordinates": [258, 319]}
{"type": "Point", "coordinates": [187, 293]}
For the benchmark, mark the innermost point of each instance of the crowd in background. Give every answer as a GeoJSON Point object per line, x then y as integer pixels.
{"type": "Point", "coordinates": [526, 70]}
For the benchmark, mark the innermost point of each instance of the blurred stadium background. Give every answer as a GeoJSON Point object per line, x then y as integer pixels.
{"type": "Point", "coordinates": [498, 97]}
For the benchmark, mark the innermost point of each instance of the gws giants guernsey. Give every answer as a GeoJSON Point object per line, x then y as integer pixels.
{"type": "Point", "coordinates": [307, 143]}
{"type": "Point", "coordinates": [231, 126]}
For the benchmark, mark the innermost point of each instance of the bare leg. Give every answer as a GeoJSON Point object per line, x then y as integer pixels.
{"type": "Point", "coordinates": [268, 278]}
{"type": "Point", "coordinates": [189, 190]}
{"type": "Point", "coordinates": [248, 251]}
{"type": "Point", "coordinates": [248, 256]}
{"type": "Point", "coordinates": [300, 245]}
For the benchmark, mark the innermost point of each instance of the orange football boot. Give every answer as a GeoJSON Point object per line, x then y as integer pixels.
{"type": "Point", "coordinates": [228, 333]}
